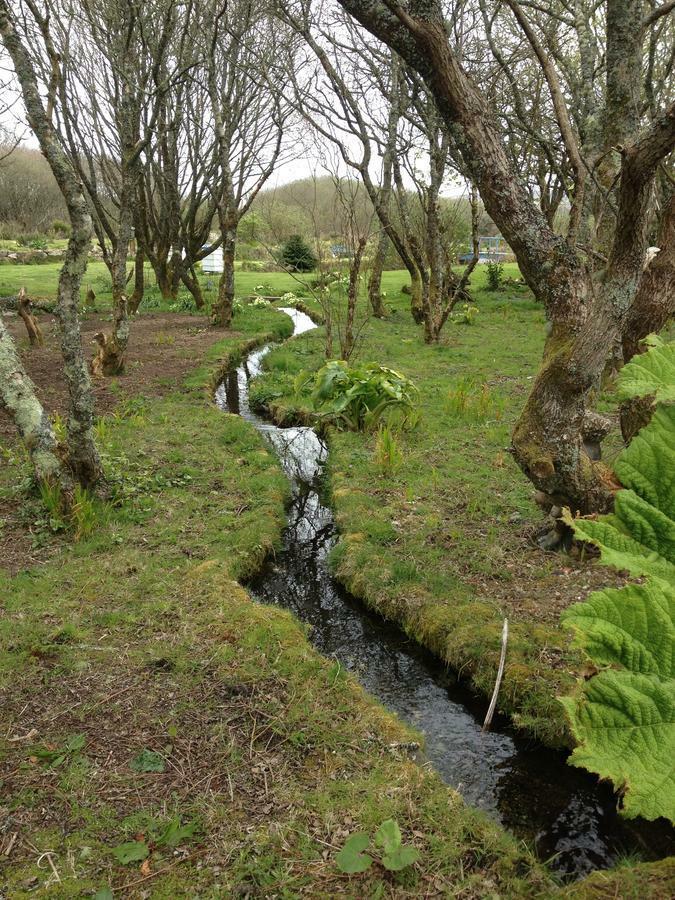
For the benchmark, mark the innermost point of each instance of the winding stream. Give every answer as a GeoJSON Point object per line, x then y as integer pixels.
{"type": "Point", "coordinates": [562, 812]}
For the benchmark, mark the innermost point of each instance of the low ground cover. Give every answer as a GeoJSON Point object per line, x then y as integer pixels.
{"type": "Point", "coordinates": [162, 734]}
{"type": "Point", "coordinates": [165, 736]}
{"type": "Point", "coordinates": [442, 542]}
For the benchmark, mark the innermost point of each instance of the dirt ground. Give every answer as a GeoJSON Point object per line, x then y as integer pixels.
{"type": "Point", "coordinates": [163, 349]}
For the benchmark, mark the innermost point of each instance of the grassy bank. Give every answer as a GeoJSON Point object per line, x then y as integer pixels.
{"type": "Point", "coordinates": [165, 736]}
{"type": "Point", "coordinates": [443, 543]}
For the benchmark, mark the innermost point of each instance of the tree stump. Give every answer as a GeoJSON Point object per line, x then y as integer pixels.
{"type": "Point", "coordinates": [25, 310]}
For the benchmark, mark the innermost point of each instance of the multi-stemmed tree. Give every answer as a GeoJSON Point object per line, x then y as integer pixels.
{"type": "Point", "coordinates": [589, 311]}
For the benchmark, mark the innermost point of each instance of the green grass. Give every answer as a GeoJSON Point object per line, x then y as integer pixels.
{"type": "Point", "coordinates": [431, 543]}
{"type": "Point", "coordinates": [139, 638]}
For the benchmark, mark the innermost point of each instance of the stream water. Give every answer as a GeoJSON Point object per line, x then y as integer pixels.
{"type": "Point", "coordinates": [562, 812]}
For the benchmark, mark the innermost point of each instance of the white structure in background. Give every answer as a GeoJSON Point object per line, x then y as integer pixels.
{"type": "Point", "coordinates": [214, 261]}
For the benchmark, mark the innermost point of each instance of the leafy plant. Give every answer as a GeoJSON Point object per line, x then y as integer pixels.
{"type": "Point", "coordinates": [624, 717]}
{"type": "Point", "coordinates": [172, 835]}
{"type": "Point", "coordinates": [148, 761]}
{"type": "Point", "coordinates": [387, 846]}
{"type": "Point", "coordinates": [465, 315]}
{"type": "Point", "coordinates": [359, 398]}
{"type": "Point", "coordinates": [56, 756]}
{"type": "Point", "coordinates": [495, 274]}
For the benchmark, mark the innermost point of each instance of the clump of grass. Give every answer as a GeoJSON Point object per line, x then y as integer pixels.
{"type": "Point", "coordinates": [471, 401]}
{"type": "Point", "coordinates": [51, 496]}
{"type": "Point", "coordinates": [387, 455]}
{"type": "Point", "coordinates": [84, 514]}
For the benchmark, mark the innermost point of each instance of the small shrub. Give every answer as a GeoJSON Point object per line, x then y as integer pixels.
{"type": "Point", "coordinates": [60, 227]}
{"type": "Point", "coordinates": [297, 255]}
{"type": "Point", "coordinates": [495, 274]}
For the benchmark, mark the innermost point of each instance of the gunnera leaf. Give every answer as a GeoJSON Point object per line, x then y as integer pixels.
{"type": "Point", "coordinates": [624, 723]}
{"type": "Point", "coordinates": [640, 536]}
{"type": "Point", "coordinates": [631, 627]}
{"type": "Point", "coordinates": [650, 373]}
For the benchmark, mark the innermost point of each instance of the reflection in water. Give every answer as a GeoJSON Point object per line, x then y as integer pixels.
{"type": "Point", "coordinates": [562, 811]}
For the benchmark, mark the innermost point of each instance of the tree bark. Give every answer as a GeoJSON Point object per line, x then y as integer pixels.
{"type": "Point", "coordinates": [375, 280]}
{"type": "Point", "coordinates": [32, 326]}
{"type": "Point", "coordinates": [653, 307]}
{"type": "Point", "coordinates": [139, 280]}
{"type": "Point", "coordinates": [224, 308]}
{"type": "Point", "coordinates": [83, 457]}
{"type": "Point", "coordinates": [18, 396]}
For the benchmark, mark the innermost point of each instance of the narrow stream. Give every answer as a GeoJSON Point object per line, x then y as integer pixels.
{"type": "Point", "coordinates": [562, 812]}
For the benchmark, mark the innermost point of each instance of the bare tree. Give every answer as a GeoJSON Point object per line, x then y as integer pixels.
{"type": "Point", "coordinates": [82, 456]}
{"type": "Point", "coordinates": [587, 316]}
{"type": "Point", "coordinates": [241, 43]}
{"type": "Point", "coordinates": [111, 100]}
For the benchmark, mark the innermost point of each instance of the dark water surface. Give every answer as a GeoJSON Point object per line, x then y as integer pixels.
{"type": "Point", "coordinates": [562, 812]}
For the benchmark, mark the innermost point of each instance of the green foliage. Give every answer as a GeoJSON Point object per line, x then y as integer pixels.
{"type": "Point", "coordinates": [359, 398]}
{"type": "Point", "coordinates": [54, 757]}
{"type": "Point", "coordinates": [650, 373]}
{"type": "Point", "coordinates": [640, 536]}
{"type": "Point", "coordinates": [61, 227]}
{"type": "Point", "coordinates": [148, 761]}
{"type": "Point", "coordinates": [387, 455]}
{"type": "Point", "coordinates": [624, 717]}
{"type": "Point", "coordinates": [392, 853]}
{"type": "Point", "coordinates": [297, 255]}
{"type": "Point", "coordinates": [495, 274]}
{"type": "Point", "coordinates": [471, 401]}
{"type": "Point", "coordinates": [465, 315]}
{"type": "Point", "coordinates": [131, 851]}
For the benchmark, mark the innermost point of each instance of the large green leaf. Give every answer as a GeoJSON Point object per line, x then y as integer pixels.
{"type": "Point", "coordinates": [632, 627]}
{"type": "Point", "coordinates": [624, 723]}
{"type": "Point", "coordinates": [650, 373]}
{"type": "Point", "coordinates": [640, 536]}
{"type": "Point", "coordinates": [647, 465]}
{"type": "Point", "coordinates": [621, 550]}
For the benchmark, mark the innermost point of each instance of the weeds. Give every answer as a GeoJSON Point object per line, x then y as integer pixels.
{"type": "Point", "coordinates": [495, 274]}
{"type": "Point", "coordinates": [387, 455]}
{"type": "Point", "coordinates": [472, 402]}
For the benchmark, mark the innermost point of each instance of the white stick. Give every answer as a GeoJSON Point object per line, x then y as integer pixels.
{"type": "Point", "coordinates": [500, 673]}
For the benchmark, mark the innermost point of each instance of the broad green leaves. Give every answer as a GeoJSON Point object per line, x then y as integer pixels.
{"type": "Point", "coordinates": [650, 373]}
{"type": "Point", "coordinates": [351, 859]}
{"type": "Point", "coordinates": [632, 627]}
{"type": "Point", "coordinates": [393, 854]}
{"type": "Point", "coordinates": [131, 851]}
{"type": "Point", "coordinates": [359, 398]}
{"type": "Point", "coordinates": [640, 536]}
{"type": "Point", "coordinates": [623, 718]}
{"type": "Point", "coordinates": [148, 761]}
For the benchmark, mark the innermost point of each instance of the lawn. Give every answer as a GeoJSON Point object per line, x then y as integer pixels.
{"type": "Point", "coordinates": [164, 735]}
{"type": "Point", "coordinates": [444, 544]}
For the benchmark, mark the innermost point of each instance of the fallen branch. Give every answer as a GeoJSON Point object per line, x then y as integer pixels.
{"type": "Point", "coordinates": [500, 674]}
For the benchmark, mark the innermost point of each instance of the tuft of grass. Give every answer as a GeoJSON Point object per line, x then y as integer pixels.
{"type": "Point", "coordinates": [387, 455]}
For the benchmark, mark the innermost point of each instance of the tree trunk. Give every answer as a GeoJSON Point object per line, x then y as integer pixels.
{"type": "Point", "coordinates": [191, 282]}
{"type": "Point", "coordinates": [347, 347]}
{"type": "Point", "coordinates": [139, 280]}
{"type": "Point", "coordinates": [18, 396]}
{"type": "Point", "coordinates": [224, 308]}
{"type": "Point", "coordinates": [25, 310]}
{"type": "Point", "coordinates": [83, 457]}
{"type": "Point", "coordinates": [375, 281]}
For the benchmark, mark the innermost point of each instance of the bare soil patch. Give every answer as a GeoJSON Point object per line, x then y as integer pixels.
{"type": "Point", "coordinates": [163, 349]}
